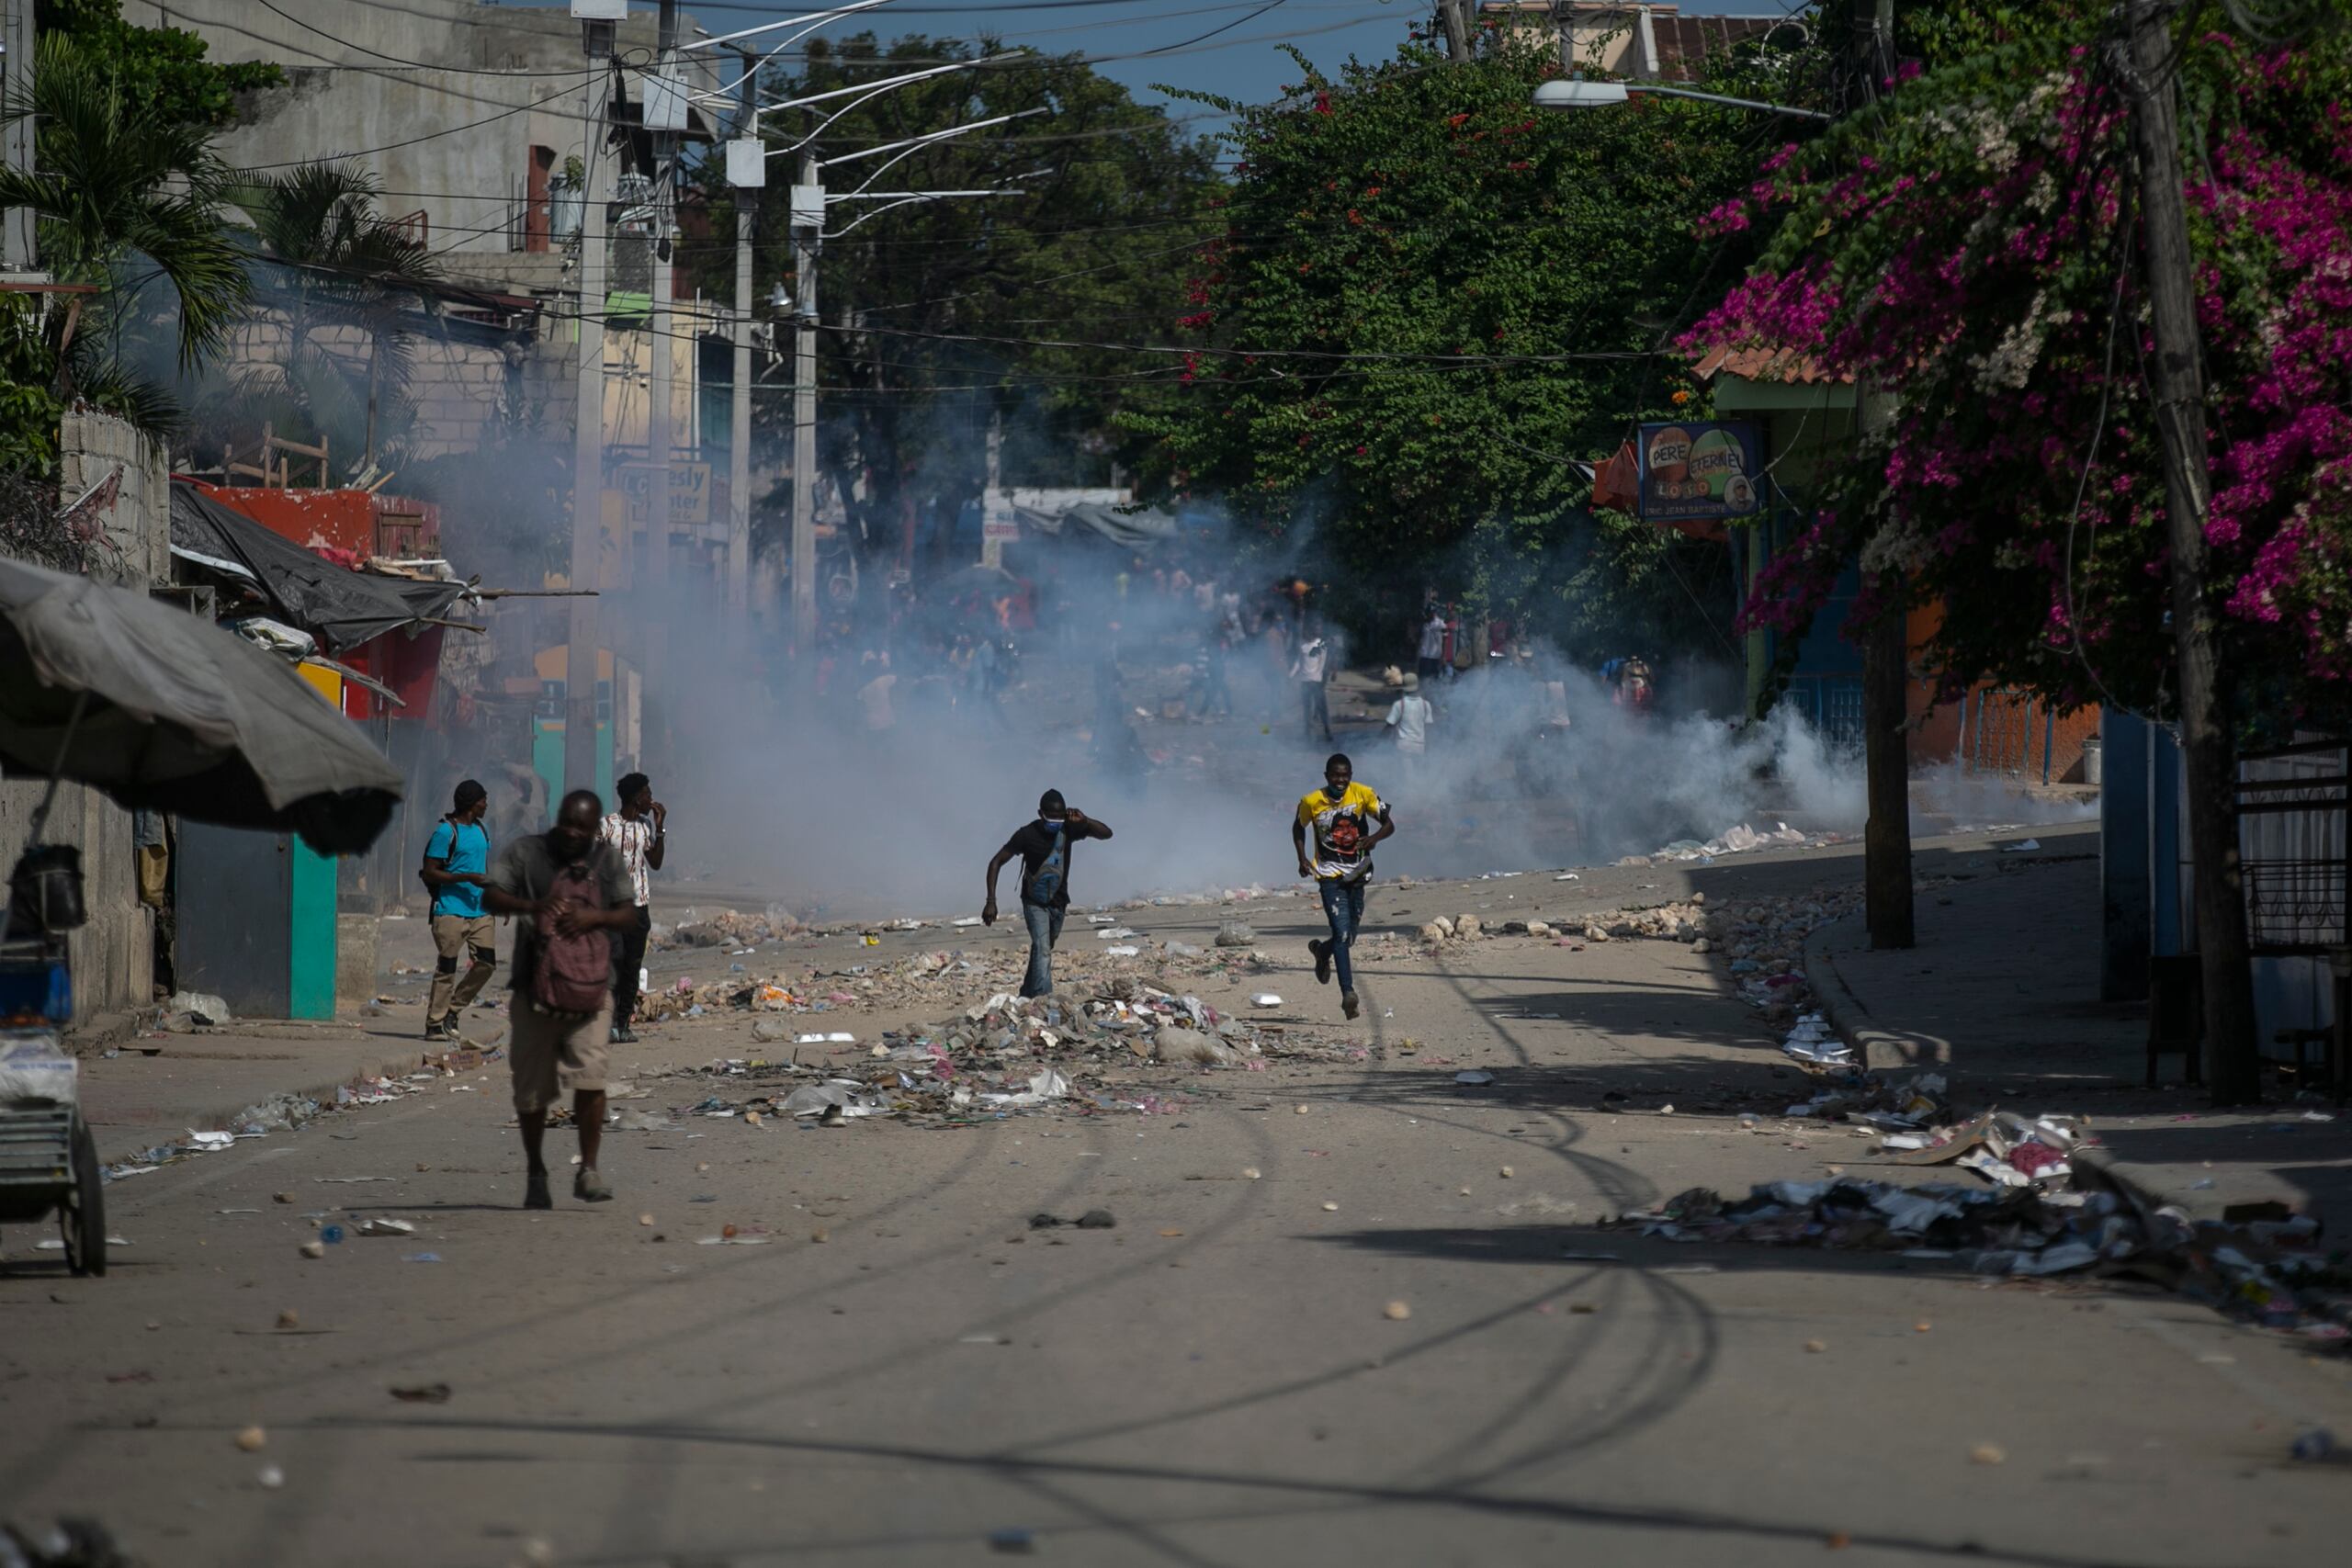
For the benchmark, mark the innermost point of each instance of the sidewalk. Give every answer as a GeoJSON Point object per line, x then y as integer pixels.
{"type": "Point", "coordinates": [133, 1100]}
{"type": "Point", "coordinates": [2002, 993]}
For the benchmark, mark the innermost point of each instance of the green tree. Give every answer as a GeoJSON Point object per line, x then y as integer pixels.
{"type": "Point", "coordinates": [337, 288]}
{"type": "Point", "coordinates": [936, 312]}
{"type": "Point", "coordinates": [128, 199]}
{"type": "Point", "coordinates": [1428, 303]}
{"type": "Point", "coordinates": [163, 67]}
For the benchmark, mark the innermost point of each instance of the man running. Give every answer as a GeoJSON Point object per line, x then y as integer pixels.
{"type": "Point", "coordinates": [456, 868]}
{"type": "Point", "coordinates": [1045, 847]}
{"type": "Point", "coordinates": [1342, 813]}
{"type": "Point", "coordinates": [638, 831]}
{"type": "Point", "coordinates": [567, 891]}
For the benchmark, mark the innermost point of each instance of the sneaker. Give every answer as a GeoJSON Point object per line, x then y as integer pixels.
{"type": "Point", "coordinates": [589, 1187]}
{"type": "Point", "coordinates": [435, 1029]}
{"type": "Point", "coordinates": [535, 1192]}
{"type": "Point", "coordinates": [621, 1035]}
{"type": "Point", "coordinates": [1347, 1004]}
{"type": "Point", "coordinates": [1322, 950]}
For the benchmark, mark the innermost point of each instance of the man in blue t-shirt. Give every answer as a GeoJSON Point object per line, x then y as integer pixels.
{"type": "Point", "coordinates": [456, 868]}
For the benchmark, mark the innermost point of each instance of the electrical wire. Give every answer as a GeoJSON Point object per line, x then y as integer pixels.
{"type": "Point", "coordinates": [582, 79]}
{"type": "Point", "coordinates": [400, 61]}
{"type": "Point", "coordinates": [1208, 351]}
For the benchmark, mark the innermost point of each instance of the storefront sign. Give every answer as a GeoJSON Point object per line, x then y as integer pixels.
{"type": "Point", "coordinates": [1704, 469]}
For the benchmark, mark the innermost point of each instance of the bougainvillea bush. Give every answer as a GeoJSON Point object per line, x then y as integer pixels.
{"type": "Point", "coordinates": [1974, 249]}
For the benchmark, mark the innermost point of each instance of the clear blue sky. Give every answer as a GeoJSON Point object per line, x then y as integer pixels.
{"type": "Point", "coordinates": [1222, 46]}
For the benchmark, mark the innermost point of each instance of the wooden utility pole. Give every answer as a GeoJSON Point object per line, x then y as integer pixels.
{"type": "Point", "coordinates": [1886, 647]}
{"type": "Point", "coordinates": [1455, 14]}
{"type": "Point", "coordinates": [2176, 388]}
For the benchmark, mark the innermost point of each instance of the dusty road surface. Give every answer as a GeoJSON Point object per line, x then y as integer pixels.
{"type": "Point", "coordinates": [1352, 1310]}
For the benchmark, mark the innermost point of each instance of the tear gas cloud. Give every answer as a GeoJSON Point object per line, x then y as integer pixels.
{"type": "Point", "coordinates": [826, 807]}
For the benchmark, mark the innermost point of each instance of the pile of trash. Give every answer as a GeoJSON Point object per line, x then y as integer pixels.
{"type": "Point", "coordinates": [726, 928]}
{"type": "Point", "coordinates": [1739, 838]}
{"type": "Point", "coordinates": [2027, 1230]}
{"type": "Point", "coordinates": [2262, 1264]}
{"type": "Point", "coordinates": [1013, 1053]}
{"type": "Point", "coordinates": [1763, 941]}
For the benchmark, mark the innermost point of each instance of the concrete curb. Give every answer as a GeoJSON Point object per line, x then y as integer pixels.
{"type": "Point", "coordinates": [394, 1063]}
{"type": "Point", "coordinates": [1880, 1049]}
{"type": "Point", "coordinates": [1877, 1049]}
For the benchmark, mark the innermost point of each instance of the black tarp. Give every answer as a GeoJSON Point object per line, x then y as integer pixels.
{"type": "Point", "coordinates": [1127, 529]}
{"type": "Point", "coordinates": [342, 608]}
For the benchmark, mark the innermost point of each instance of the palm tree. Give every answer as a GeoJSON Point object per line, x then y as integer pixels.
{"type": "Point", "coordinates": [341, 281]}
{"type": "Point", "coordinates": [126, 199]}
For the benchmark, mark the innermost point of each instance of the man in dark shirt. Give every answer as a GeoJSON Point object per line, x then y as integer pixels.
{"type": "Point", "coordinates": [1045, 849]}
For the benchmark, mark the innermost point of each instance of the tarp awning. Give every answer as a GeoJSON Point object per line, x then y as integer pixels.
{"type": "Point", "coordinates": [1128, 529]}
{"type": "Point", "coordinates": [342, 608]}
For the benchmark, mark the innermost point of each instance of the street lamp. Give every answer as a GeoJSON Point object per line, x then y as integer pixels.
{"type": "Point", "coordinates": [1575, 92]}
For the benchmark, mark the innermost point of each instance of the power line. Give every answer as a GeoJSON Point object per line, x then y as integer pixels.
{"type": "Point", "coordinates": [1207, 351]}
{"type": "Point", "coordinates": [400, 61]}
{"type": "Point", "coordinates": [429, 136]}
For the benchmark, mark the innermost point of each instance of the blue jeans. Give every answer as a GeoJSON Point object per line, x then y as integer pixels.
{"type": "Point", "coordinates": [1343, 906]}
{"type": "Point", "coordinates": [1044, 931]}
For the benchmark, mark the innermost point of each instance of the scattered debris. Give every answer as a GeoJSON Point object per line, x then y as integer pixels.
{"type": "Point", "coordinates": [421, 1393]}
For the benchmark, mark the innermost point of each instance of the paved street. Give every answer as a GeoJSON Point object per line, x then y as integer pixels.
{"type": "Point", "coordinates": [903, 1368]}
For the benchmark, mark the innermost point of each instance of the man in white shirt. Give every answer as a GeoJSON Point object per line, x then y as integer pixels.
{"type": "Point", "coordinates": [637, 831]}
{"type": "Point", "coordinates": [1309, 666]}
{"type": "Point", "coordinates": [1433, 655]}
{"type": "Point", "coordinates": [1409, 720]}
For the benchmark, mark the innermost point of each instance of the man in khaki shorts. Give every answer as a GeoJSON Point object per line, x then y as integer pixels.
{"type": "Point", "coordinates": [456, 868]}
{"type": "Point", "coordinates": [546, 1049]}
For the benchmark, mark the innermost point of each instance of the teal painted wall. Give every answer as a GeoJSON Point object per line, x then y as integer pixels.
{"type": "Point", "coordinates": [311, 913]}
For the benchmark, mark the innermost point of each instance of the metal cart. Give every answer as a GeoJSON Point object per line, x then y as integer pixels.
{"type": "Point", "coordinates": [47, 1159]}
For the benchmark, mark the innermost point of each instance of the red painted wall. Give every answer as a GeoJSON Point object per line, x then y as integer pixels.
{"type": "Point", "coordinates": [349, 526]}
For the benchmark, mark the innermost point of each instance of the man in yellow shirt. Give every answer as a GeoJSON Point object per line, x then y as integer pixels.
{"type": "Point", "coordinates": [1347, 820]}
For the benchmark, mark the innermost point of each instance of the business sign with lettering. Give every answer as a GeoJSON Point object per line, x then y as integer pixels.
{"type": "Point", "coordinates": [1699, 469]}
{"type": "Point", "coordinates": [689, 493]}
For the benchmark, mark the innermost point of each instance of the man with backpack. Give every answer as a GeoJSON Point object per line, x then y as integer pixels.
{"type": "Point", "coordinates": [456, 869]}
{"type": "Point", "coordinates": [1045, 847]}
{"type": "Point", "coordinates": [568, 893]}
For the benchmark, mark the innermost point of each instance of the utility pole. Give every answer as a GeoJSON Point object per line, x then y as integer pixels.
{"type": "Point", "coordinates": [16, 51]}
{"type": "Point", "coordinates": [660, 432]}
{"type": "Point", "coordinates": [1457, 28]}
{"type": "Point", "coordinates": [747, 166]}
{"type": "Point", "coordinates": [808, 230]}
{"type": "Point", "coordinates": [992, 546]}
{"type": "Point", "coordinates": [2177, 388]}
{"type": "Point", "coordinates": [588, 434]}
{"type": "Point", "coordinates": [1886, 648]}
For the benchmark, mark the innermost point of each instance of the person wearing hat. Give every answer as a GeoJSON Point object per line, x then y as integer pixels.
{"type": "Point", "coordinates": [1409, 720]}
{"type": "Point", "coordinates": [456, 869]}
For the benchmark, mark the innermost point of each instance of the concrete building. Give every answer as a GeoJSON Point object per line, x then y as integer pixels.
{"type": "Point", "coordinates": [119, 476]}
{"type": "Point", "coordinates": [468, 113]}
